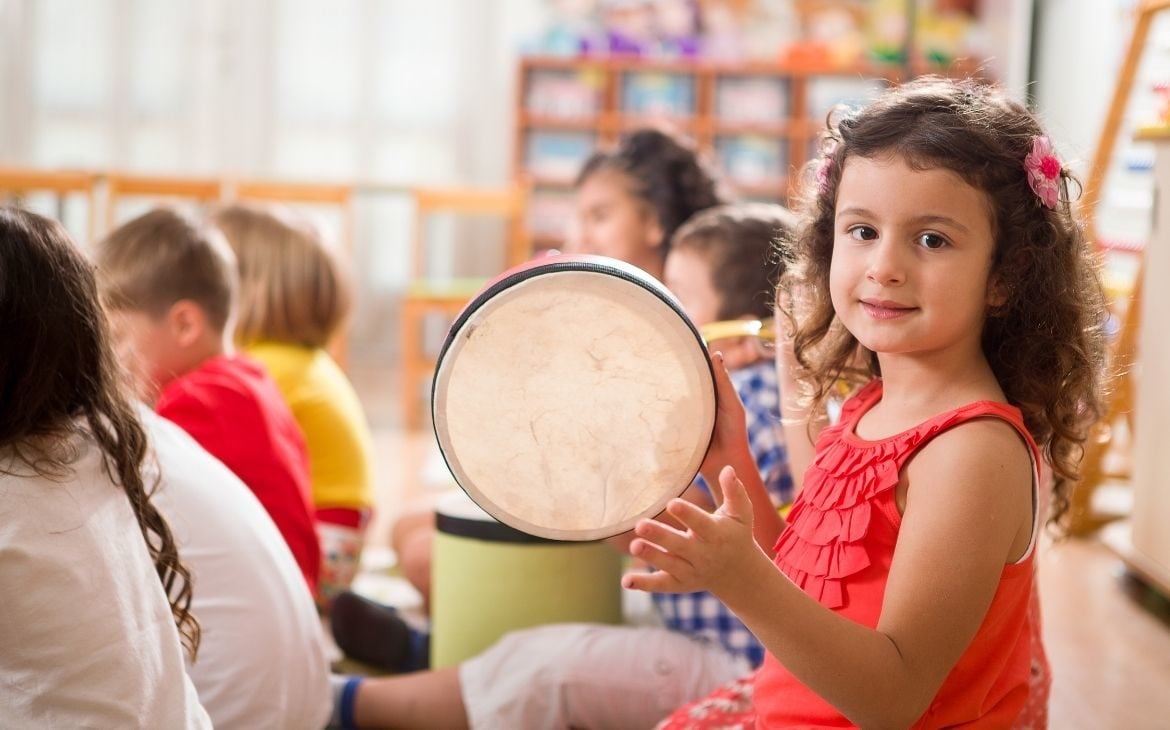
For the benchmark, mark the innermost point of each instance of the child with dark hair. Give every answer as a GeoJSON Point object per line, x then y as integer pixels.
{"type": "Point", "coordinates": [87, 562]}
{"type": "Point", "coordinates": [722, 265]}
{"type": "Point", "coordinates": [631, 200]}
{"type": "Point", "coordinates": [938, 250]}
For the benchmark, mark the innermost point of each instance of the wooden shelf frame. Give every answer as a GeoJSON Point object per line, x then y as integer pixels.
{"type": "Point", "coordinates": [795, 132]}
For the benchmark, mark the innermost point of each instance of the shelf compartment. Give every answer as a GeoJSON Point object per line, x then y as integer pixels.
{"type": "Point", "coordinates": [752, 100]}
{"type": "Point", "coordinates": [658, 94]}
{"type": "Point", "coordinates": [752, 162]}
{"type": "Point", "coordinates": [557, 155]}
{"type": "Point", "coordinates": [565, 93]}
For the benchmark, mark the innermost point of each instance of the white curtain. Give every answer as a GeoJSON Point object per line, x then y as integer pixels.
{"type": "Point", "coordinates": [392, 91]}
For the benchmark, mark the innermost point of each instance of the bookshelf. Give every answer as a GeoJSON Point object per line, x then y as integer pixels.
{"type": "Point", "coordinates": [757, 122]}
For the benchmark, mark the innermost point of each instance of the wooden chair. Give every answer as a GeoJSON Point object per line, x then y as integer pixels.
{"type": "Point", "coordinates": [15, 183]}
{"type": "Point", "coordinates": [119, 187]}
{"type": "Point", "coordinates": [1119, 405]}
{"type": "Point", "coordinates": [309, 195]}
{"type": "Point", "coordinates": [427, 295]}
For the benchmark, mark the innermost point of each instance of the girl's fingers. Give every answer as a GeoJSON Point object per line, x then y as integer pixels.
{"type": "Point", "coordinates": [736, 503]}
{"type": "Point", "coordinates": [723, 387]}
{"type": "Point", "coordinates": [729, 407]}
{"type": "Point", "coordinates": [696, 519]}
{"type": "Point", "coordinates": [659, 582]}
{"type": "Point", "coordinates": [654, 556]}
{"type": "Point", "coordinates": [661, 535]}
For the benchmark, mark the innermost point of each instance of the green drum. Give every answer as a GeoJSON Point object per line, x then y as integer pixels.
{"type": "Point", "coordinates": [489, 579]}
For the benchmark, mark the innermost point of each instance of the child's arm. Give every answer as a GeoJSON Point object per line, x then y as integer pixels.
{"type": "Point", "coordinates": [729, 447]}
{"type": "Point", "coordinates": [968, 512]}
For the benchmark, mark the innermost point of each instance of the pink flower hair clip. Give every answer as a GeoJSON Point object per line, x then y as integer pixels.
{"type": "Point", "coordinates": [1043, 168]}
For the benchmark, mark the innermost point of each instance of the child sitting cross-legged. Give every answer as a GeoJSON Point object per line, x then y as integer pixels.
{"type": "Point", "coordinates": [169, 288]}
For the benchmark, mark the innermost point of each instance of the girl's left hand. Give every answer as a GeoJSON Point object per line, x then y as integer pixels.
{"type": "Point", "coordinates": [700, 556]}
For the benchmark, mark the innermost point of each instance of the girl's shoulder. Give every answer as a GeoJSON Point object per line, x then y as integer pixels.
{"type": "Point", "coordinates": [978, 434]}
{"type": "Point", "coordinates": [984, 466]}
{"type": "Point", "coordinates": [55, 489]}
{"type": "Point", "coordinates": [867, 396]}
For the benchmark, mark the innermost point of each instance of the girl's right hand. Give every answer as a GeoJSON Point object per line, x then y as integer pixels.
{"type": "Point", "coordinates": [730, 447]}
{"type": "Point", "coordinates": [729, 440]}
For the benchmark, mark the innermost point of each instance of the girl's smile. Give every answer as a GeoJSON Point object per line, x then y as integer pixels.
{"type": "Point", "coordinates": [885, 309]}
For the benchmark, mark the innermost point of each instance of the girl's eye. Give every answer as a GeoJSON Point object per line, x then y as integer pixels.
{"type": "Point", "coordinates": [862, 233]}
{"type": "Point", "coordinates": [932, 241]}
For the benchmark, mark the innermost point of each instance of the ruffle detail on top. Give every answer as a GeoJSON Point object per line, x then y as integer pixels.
{"type": "Point", "coordinates": [827, 526]}
{"type": "Point", "coordinates": [825, 539]}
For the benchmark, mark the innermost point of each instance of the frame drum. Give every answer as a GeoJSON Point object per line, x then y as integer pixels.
{"type": "Point", "coordinates": [573, 397]}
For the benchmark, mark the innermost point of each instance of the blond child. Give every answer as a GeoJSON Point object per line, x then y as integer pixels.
{"type": "Point", "coordinates": [169, 289]}
{"type": "Point", "coordinates": [294, 298]}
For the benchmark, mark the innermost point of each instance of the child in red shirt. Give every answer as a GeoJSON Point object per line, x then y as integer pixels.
{"type": "Point", "coordinates": [169, 288]}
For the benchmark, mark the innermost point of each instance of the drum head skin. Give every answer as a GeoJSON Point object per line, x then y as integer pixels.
{"type": "Point", "coordinates": [573, 398]}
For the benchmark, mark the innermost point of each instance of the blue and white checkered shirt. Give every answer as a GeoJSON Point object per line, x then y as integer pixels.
{"type": "Point", "coordinates": [702, 614]}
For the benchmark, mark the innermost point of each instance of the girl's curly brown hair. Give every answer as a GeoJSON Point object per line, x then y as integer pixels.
{"type": "Point", "coordinates": [60, 380]}
{"type": "Point", "coordinates": [1045, 342]}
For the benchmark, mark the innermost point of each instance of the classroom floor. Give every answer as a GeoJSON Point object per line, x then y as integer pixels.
{"type": "Point", "coordinates": [1108, 642]}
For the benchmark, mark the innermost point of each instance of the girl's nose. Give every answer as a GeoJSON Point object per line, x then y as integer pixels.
{"type": "Point", "coordinates": [885, 264]}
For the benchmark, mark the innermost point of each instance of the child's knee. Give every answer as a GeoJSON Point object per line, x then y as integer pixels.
{"type": "Point", "coordinates": [415, 518]}
{"type": "Point", "coordinates": [414, 555]}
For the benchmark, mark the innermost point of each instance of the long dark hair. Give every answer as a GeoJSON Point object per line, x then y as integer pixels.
{"type": "Point", "coordinates": [1045, 343]}
{"type": "Point", "coordinates": [61, 379]}
{"type": "Point", "coordinates": [664, 172]}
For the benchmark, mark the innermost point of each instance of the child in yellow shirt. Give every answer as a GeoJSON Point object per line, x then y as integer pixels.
{"type": "Point", "coordinates": [294, 297]}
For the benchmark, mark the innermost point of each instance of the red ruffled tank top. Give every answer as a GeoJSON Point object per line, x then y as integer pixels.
{"type": "Point", "coordinates": [838, 547]}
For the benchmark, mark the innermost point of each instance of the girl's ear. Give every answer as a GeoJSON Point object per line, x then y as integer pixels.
{"type": "Point", "coordinates": [186, 321]}
{"type": "Point", "coordinates": [997, 293]}
{"type": "Point", "coordinates": [653, 230]}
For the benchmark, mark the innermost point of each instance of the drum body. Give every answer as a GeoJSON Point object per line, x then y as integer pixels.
{"type": "Point", "coordinates": [573, 398]}
{"type": "Point", "coordinates": [489, 579]}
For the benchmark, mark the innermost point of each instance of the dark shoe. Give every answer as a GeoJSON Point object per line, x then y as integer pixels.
{"type": "Point", "coordinates": [372, 633]}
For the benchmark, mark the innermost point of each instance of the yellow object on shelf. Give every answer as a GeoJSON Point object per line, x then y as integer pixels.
{"type": "Point", "coordinates": [1149, 132]}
